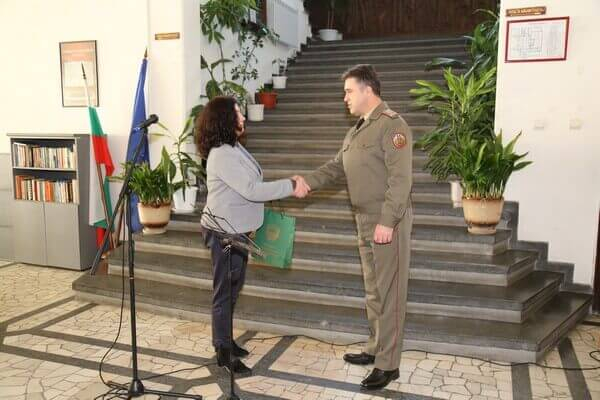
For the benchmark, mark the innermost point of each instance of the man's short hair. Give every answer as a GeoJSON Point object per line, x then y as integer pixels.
{"type": "Point", "coordinates": [364, 73]}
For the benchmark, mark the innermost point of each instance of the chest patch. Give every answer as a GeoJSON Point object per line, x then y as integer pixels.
{"type": "Point", "coordinates": [399, 140]}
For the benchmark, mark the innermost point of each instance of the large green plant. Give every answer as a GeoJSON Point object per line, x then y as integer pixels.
{"type": "Point", "coordinates": [154, 186]}
{"type": "Point", "coordinates": [187, 165]}
{"type": "Point", "coordinates": [464, 108]}
{"type": "Point", "coordinates": [215, 17]}
{"type": "Point", "coordinates": [485, 166]}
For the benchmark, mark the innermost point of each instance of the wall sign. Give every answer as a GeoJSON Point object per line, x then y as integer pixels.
{"type": "Point", "coordinates": [542, 39]}
{"type": "Point", "coordinates": [526, 11]}
{"type": "Point", "coordinates": [167, 36]}
{"type": "Point", "coordinates": [72, 55]}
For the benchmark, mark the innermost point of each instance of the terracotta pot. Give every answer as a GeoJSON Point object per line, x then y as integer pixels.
{"type": "Point", "coordinates": [154, 219]}
{"type": "Point", "coordinates": [482, 215]}
{"type": "Point", "coordinates": [269, 99]}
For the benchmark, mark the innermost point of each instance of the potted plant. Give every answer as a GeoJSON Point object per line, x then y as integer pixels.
{"type": "Point", "coordinates": [154, 187]}
{"type": "Point", "coordinates": [184, 198]}
{"type": "Point", "coordinates": [484, 167]}
{"type": "Point", "coordinates": [279, 78]}
{"type": "Point", "coordinates": [267, 96]}
{"type": "Point", "coordinates": [256, 112]}
{"type": "Point", "coordinates": [334, 7]}
{"type": "Point", "coordinates": [217, 16]}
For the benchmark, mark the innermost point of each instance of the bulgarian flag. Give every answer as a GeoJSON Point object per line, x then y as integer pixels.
{"type": "Point", "coordinates": [99, 210]}
{"type": "Point", "coordinates": [99, 204]}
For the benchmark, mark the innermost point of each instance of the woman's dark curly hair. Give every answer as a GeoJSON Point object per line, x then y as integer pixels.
{"type": "Point", "coordinates": [216, 125]}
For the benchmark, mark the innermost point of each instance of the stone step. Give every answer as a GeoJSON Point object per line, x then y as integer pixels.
{"type": "Point", "coordinates": [425, 213]}
{"type": "Point", "coordinates": [336, 240]}
{"type": "Point", "coordinates": [286, 171]}
{"type": "Point", "coordinates": [383, 43]}
{"type": "Point", "coordinates": [327, 135]}
{"type": "Point", "coordinates": [337, 95]}
{"type": "Point", "coordinates": [435, 50]}
{"type": "Point", "coordinates": [505, 341]}
{"type": "Point", "coordinates": [329, 119]}
{"type": "Point", "coordinates": [384, 76]}
{"type": "Point", "coordinates": [349, 60]}
{"type": "Point", "coordinates": [510, 304]}
{"type": "Point", "coordinates": [306, 159]}
{"type": "Point", "coordinates": [297, 70]}
{"type": "Point", "coordinates": [339, 106]}
{"type": "Point", "coordinates": [333, 85]}
{"type": "Point", "coordinates": [497, 270]}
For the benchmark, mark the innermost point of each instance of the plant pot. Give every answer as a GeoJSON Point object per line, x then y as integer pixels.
{"type": "Point", "coordinates": [456, 194]}
{"type": "Point", "coordinates": [482, 215]}
{"type": "Point", "coordinates": [256, 112]}
{"type": "Point", "coordinates": [279, 82]}
{"type": "Point", "coordinates": [189, 204]}
{"type": "Point", "coordinates": [268, 99]}
{"type": "Point", "coordinates": [154, 219]}
{"type": "Point", "coordinates": [328, 34]}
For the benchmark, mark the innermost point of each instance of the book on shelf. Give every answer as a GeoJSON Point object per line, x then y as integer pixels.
{"type": "Point", "coordinates": [48, 190]}
{"type": "Point", "coordinates": [37, 156]}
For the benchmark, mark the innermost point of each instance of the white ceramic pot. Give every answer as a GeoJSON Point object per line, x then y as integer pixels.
{"type": "Point", "coordinates": [328, 34]}
{"type": "Point", "coordinates": [154, 219]}
{"type": "Point", "coordinates": [279, 82]}
{"type": "Point", "coordinates": [189, 204]}
{"type": "Point", "coordinates": [339, 36]}
{"type": "Point", "coordinates": [256, 112]}
{"type": "Point", "coordinates": [456, 194]}
{"type": "Point", "coordinates": [482, 216]}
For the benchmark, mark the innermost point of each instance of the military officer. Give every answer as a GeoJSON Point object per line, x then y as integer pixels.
{"type": "Point", "coordinates": [376, 159]}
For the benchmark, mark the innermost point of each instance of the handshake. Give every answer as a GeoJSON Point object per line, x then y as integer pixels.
{"type": "Point", "coordinates": [302, 189]}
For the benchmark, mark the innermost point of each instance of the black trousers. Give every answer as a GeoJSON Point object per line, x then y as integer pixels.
{"type": "Point", "coordinates": [221, 312]}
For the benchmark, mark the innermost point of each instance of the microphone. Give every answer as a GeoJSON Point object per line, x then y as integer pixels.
{"type": "Point", "coordinates": [152, 119]}
{"type": "Point", "coordinates": [240, 245]}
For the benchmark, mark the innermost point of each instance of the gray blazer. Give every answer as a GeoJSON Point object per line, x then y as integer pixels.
{"type": "Point", "coordinates": [236, 191]}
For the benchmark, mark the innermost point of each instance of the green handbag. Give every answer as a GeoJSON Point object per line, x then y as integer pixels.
{"type": "Point", "coordinates": [276, 239]}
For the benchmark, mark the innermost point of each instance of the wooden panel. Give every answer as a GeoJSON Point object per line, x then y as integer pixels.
{"type": "Point", "coordinates": [372, 18]}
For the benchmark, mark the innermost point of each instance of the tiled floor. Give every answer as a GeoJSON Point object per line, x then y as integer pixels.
{"type": "Point", "coordinates": [51, 346]}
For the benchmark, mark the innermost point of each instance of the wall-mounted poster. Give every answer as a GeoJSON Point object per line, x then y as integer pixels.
{"type": "Point", "coordinates": [541, 39]}
{"type": "Point", "coordinates": [72, 56]}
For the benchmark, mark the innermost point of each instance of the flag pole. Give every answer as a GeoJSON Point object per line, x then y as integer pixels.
{"type": "Point", "coordinates": [98, 169]}
{"type": "Point", "coordinates": [119, 225]}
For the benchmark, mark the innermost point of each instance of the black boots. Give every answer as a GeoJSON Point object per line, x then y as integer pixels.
{"type": "Point", "coordinates": [379, 379]}
{"type": "Point", "coordinates": [239, 351]}
{"type": "Point", "coordinates": [359, 359]}
{"type": "Point", "coordinates": [224, 360]}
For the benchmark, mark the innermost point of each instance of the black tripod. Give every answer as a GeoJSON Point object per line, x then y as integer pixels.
{"type": "Point", "coordinates": [136, 387]}
{"type": "Point", "coordinates": [230, 242]}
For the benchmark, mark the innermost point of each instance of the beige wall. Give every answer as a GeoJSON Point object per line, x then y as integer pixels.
{"type": "Point", "coordinates": [559, 194]}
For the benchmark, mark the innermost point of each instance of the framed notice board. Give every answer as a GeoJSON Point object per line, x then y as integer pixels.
{"type": "Point", "coordinates": [539, 39]}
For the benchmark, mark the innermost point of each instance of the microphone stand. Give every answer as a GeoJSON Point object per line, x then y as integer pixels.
{"type": "Point", "coordinates": [136, 387]}
{"type": "Point", "coordinates": [230, 242]}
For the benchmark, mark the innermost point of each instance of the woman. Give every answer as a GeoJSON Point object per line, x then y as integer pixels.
{"type": "Point", "coordinates": [236, 193]}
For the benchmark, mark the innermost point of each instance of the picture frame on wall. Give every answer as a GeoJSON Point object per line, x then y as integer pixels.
{"type": "Point", "coordinates": [537, 39]}
{"type": "Point", "coordinates": [72, 56]}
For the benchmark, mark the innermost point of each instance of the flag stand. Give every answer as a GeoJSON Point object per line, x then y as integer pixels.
{"type": "Point", "coordinates": [136, 387]}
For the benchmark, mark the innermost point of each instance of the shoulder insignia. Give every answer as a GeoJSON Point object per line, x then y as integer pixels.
{"type": "Point", "coordinates": [390, 113]}
{"type": "Point", "coordinates": [399, 140]}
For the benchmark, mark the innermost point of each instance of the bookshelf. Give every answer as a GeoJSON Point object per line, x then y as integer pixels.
{"type": "Point", "coordinates": [50, 189]}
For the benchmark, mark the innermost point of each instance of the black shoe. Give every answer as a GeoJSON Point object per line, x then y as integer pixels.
{"type": "Point", "coordinates": [223, 360]}
{"type": "Point", "coordinates": [379, 379]}
{"type": "Point", "coordinates": [239, 351]}
{"type": "Point", "coordinates": [359, 359]}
